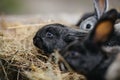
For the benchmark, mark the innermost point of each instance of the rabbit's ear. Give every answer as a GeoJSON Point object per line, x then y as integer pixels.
{"type": "Point", "coordinates": [101, 6]}
{"type": "Point", "coordinates": [104, 28]}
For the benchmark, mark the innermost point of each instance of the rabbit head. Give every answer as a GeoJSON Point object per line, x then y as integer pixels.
{"type": "Point", "coordinates": [88, 21]}
{"type": "Point", "coordinates": [87, 57]}
{"type": "Point", "coordinates": [55, 37]}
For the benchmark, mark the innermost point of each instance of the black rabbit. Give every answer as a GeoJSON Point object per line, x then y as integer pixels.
{"type": "Point", "coordinates": [55, 37]}
{"type": "Point", "coordinates": [88, 57]}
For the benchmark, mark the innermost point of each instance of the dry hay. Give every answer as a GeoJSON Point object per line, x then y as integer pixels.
{"type": "Point", "coordinates": [20, 60]}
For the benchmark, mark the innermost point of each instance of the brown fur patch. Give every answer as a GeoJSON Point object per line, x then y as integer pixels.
{"type": "Point", "coordinates": [102, 31]}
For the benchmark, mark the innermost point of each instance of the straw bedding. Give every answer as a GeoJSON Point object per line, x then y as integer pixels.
{"type": "Point", "coordinates": [20, 60]}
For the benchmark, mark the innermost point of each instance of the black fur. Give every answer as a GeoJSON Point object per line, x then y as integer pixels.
{"type": "Point", "coordinates": [55, 36]}
{"type": "Point", "coordinates": [90, 61]}
{"type": "Point", "coordinates": [114, 41]}
{"type": "Point", "coordinates": [88, 57]}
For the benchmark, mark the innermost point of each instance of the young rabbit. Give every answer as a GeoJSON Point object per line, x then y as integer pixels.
{"type": "Point", "coordinates": [88, 20]}
{"type": "Point", "coordinates": [88, 57]}
{"type": "Point", "coordinates": [55, 37]}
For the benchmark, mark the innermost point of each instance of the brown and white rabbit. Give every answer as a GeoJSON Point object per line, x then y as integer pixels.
{"type": "Point", "coordinates": [88, 57]}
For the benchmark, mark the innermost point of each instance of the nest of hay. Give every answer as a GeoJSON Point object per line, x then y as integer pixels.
{"type": "Point", "coordinates": [20, 60]}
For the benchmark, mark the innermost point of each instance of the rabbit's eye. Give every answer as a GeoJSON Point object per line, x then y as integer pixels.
{"type": "Point", "coordinates": [88, 24]}
{"type": "Point", "coordinates": [49, 35]}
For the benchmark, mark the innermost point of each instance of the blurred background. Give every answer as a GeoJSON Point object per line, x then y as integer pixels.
{"type": "Point", "coordinates": [65, 9]}
{"type": "Point", "coordinates": [49, 6]}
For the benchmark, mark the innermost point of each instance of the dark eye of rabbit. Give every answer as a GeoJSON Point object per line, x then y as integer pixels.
{"type": "Point", "coordinates": [88, 24]}
{"type": "Point", "coordinates": [49, 35]}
